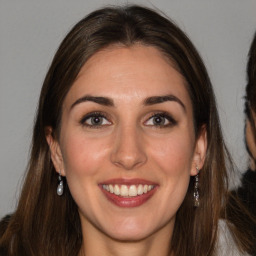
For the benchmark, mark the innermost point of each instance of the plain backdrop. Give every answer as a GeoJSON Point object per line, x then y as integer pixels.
{"type": "Point", "coordinates": [30, 32]}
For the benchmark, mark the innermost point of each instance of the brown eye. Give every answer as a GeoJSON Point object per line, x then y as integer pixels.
{"type": "Point", "coordinates": [95, 120]}
{"type": "Point", "coordinates": [160, 120]}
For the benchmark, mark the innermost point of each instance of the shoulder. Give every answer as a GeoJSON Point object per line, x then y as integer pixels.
{"type": "Point", "coordinates": [226, 245]}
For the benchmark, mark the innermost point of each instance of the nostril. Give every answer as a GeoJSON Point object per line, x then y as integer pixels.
{"type": "Point", "coordinates": [128, 162]}
{"type": "Point", "coordinates": [128, 151]}
{"type": "Point", "coordinates": [129, 158]}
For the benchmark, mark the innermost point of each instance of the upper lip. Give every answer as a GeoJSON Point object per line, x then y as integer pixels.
{"type": "Point", "coordinates": [125, 181]}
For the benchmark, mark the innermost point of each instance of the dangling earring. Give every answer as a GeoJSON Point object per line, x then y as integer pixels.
{"type": "Point", "coordinates": [196, 191]}
{"type": "Point", "coordinates": [60, 187]}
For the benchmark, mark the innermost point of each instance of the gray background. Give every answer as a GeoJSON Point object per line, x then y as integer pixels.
{"type": "Point", "coordinates": [30, 32]}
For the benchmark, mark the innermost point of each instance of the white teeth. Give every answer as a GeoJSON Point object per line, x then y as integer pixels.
{"type": "Point", "coordinates": [116, 190]}
{"type": "Point", "coordinates": [133, 190]}
{"type": "Point", "coordinates": [145, 188]}
{"type": "Point", "coordinates": [111, 189]}
{"type": "Point", "coordinates": [140, 190]}
{"type": "Point", "coordinates": [125, 191]}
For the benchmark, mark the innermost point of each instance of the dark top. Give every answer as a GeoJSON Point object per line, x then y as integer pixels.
{"type": "Point", "coordinates": [247, 191]}
{"type": "Point", "coordinates": [246, 195]}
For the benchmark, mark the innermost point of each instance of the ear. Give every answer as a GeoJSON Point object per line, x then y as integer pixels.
{"type": "Point", "coordinates": [200, 152]}
{"type": "Point", "coordinates": [56, 154]}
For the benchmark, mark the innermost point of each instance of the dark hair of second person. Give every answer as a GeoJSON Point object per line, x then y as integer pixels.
{"type": "Point", "coordinates": [244, 197]}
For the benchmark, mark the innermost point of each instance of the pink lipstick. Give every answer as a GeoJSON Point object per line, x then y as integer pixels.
{"type": "Point", "coordinates": [128, 192]}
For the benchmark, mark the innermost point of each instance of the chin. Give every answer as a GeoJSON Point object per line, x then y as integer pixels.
{"type": "Point", "coordinates": [126, 236]}
{"type": "Point", "coordinates": [130, 231]}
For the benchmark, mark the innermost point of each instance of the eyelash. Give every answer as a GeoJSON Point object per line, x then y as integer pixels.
{"type": "Point", "coordinates": [171, 121]}
{"type": "Point", "coordinates": [96, 115]}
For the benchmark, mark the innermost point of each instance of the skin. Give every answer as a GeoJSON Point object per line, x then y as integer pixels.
{"type": "Point", "coordinates": [250, 141]}
{"type": "Point", "coordinates": [128, 144]}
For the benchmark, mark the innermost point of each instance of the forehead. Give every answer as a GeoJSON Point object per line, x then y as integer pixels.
{"type": "Point", "coordinates": [136, 72]}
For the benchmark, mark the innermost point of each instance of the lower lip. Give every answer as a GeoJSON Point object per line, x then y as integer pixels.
{"type": "Point", "coordinates": [129, 202]}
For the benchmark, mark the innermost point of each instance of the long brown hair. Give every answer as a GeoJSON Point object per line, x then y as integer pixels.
{"type": "Point", "coordinates": [237, 211]}
{"type": "Point", "coordinates": [250, 97]}
{"type": "Point", "coordinates": [46, 224]}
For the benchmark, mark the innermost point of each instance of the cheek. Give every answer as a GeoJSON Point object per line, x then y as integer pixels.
{"type": "Point", "coordinates": [81, 156]}
{"type": "Point", "coordinates": [172, 158]}
{"type": "Point", "coordinates": [83, 159]}
{"type": "Point", "coordinates": [174, 154]}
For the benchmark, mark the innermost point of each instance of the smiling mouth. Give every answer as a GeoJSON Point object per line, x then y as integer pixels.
{"type": "Point", "coordinates": [128, 193]}
{"type": "Point", "coordinates": [128, 190]}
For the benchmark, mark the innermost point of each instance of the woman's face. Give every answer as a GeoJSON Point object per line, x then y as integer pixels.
{"type": "Point", "coordinates": [127, 145]}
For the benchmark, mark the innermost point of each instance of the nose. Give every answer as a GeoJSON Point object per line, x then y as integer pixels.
{"type": "Point", "coordinates": [128, 148]}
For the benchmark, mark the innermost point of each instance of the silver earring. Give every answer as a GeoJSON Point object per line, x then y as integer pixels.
{"type": "Point", "coordinates": [60, 187]}
{"type": "Point", "coordinates": [196, 190]}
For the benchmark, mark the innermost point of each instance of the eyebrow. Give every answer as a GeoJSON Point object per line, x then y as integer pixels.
{"type": "Point", "coordinates": [161, 99]}
{"type": "Point", "coordinates": [147, 102]}
{"type": "Point", "coordinates": [100, 100]}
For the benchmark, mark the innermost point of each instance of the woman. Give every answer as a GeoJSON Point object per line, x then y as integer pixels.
{"type": "Point", "coordinates": [128, 132]}
{"type": "Point", "coordinates": [248, 190]}
{"type": "Point", "coordinates": [246, 193]}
